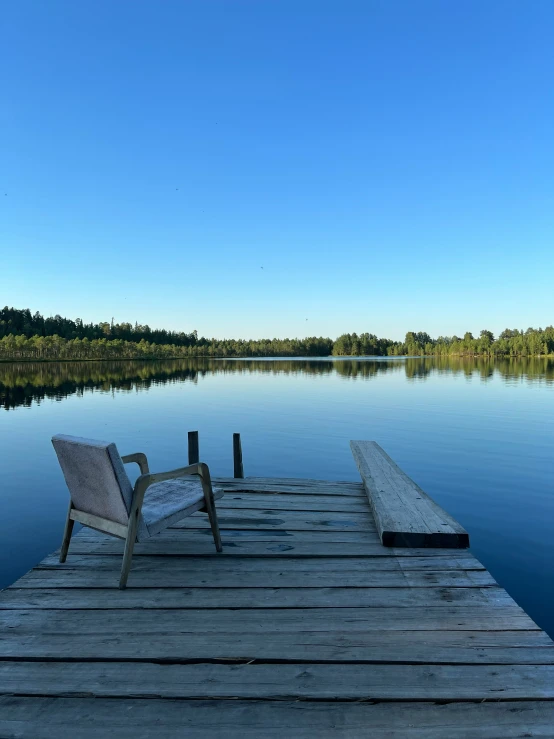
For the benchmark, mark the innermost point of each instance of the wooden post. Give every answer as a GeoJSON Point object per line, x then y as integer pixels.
{"type": "Point", "coordinates": [194, 449]}
{"type": "Point", "coordinates": [237, 456]}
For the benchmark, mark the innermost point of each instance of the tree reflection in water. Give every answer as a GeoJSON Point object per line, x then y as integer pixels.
{"type": "Point", "coordinates": [22, 384]}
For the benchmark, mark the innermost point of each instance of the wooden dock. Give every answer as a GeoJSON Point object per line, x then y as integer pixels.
{"type": "Point", "coordinates": [305, 626]}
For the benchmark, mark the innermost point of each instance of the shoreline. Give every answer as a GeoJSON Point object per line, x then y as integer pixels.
{"type": "Point", "coordinates": [331, 357]}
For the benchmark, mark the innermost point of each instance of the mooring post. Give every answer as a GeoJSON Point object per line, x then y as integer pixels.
{"type": "Point", "coordinates": [194, 450]}
{"type": "Point", "coordinates": [237, 456]}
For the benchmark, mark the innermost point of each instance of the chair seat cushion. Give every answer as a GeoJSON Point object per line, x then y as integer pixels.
{"type": "Point", "coordinates": [167, 502]}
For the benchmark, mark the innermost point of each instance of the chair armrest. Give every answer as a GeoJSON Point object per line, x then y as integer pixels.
{"type": "Point", "coordinates": [140, 459]}
{"type": "Point", "coordinates": [191, 469]}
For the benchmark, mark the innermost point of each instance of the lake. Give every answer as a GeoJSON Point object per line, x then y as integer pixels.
{"type": "Point", "coordinates": [476, 434]}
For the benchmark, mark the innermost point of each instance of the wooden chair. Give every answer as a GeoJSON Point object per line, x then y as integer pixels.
{"type": "Point", "coordinates": [103, 498]}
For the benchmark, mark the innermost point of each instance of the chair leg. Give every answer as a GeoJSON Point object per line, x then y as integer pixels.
{"type": "Point", "coordinates": [209, 503]}
{"type": "Point", "coordinates": [127, 559]}
{"type": "Point", "coordinates": [69, 523]}
{"type": "Point", "coordinates": [212, 515]}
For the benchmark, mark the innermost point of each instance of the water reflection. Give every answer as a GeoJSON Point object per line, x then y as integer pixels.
{"type": "Point", "coordinates": [506, 368]}
{"type": "Point", "coordinates": [22, 384]}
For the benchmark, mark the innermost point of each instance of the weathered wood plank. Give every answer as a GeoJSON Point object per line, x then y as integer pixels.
{"type": "Point", "coordinates": [172, 576]}
{"type": "Point", "coordinates": [292, 487]}
{"type": "Point", "coordinates": [236, 546]}
{"type": "Point", "coordinates": [299, 597]}
{"type": "Point", "coordinates": [312, 566]}
{"type": "Point", "coordinates": [146, 621]}
{"type": "Point", "coordinates": [242, 543]}
{"type": "Point", "coordinates": [423, 647]}
{"type": "Point", "coordinates": [288, 502]}
{"type": "Point", "coordinates": [253, 534]}
{"type": "Point", "coordinates": [43, 717]}
{"type": "Point", "coordinates": [404, 514]}
{"type": "Point", "coordinates": [89, 718]}
{"type": "Point", "coordinates": [277, 681]}
{"type": "Point", "coordinates": [291, 481]}
{"type": "Point", "coordinates": [283, 520]}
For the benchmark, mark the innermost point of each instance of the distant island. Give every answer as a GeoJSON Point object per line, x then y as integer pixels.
{"type": "Point", "coordinates": [27, 336]}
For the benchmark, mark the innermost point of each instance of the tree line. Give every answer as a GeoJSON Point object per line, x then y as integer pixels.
{"type": "Point", "coordinates": [55, 348]}
{"type": "Point", "coordinates": [27, 336]}
{"type": "Point", "coordinates": [21, 322]}
{"type": "Point", "coordinates": [532, 342]}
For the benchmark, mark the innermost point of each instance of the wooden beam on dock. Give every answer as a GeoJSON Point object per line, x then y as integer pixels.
{"type": "Point", "coordinates": [405, 516]}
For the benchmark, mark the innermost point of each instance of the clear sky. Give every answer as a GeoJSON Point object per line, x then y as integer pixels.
{"type": "Point", "coordinates": [240, 166]}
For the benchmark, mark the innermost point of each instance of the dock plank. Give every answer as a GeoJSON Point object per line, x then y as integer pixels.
{"type": "Point", "coordinates": [48, 718]}
{"type": "Point", "coordinates": [252, 543]}
{"type": "Point", "coordinates": [279, 681]}
{"type": "Point", "coordinates": [258, 597]}
{"type": "Point", "coordinates": [242, 565]}
{"type": "Point", "coordinates": [292, 486]}
{"type": "Point", "coordinates": [253, 534]}
{"type": "Point", "coordinates": [415, 647]}
{"type": "Point", "coordinates": [283, 520]}
{"type": "Point", "coordinates": [289, 502]}
{"type": "Point", "coordinates": [175, 575]}
{"type": "Point", "coordinates": [109, 621]}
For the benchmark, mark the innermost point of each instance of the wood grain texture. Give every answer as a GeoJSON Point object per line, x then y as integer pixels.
{"type": "Point", "coordinates": [279, 681]}
{"type": "Point", "coordinates": [254, 534]}
{"type": "Point", "coordinates": [145, 621]}
{"type": "Point", "coordinates": [360, 647]}
{"type": "Point", "coordinates": [282, 520]}
{"type": "Point", "coordinates": [241, 546]}
{"type": "Point", "coordinates": [311, 566]}
{"type": "Point", "coordinates": [89, 718]}
{"type": "Point", "coordinates": [279, 597]}
{"type": "Point", "coordinates": [255, 543]}
{"type": "Point", "coordinates": [175, 575]}
{"type": "Point", "coordinates": [291, 486]}
{"type": "Point", "coordinates": [404, 514]}
{"type": "Point", "coordinates": [293, 502]}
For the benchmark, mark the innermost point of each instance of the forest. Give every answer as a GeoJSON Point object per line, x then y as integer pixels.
{"type": "Point", "coordinates": [28, 336]}
{"type": "Point", "coordinates": [533, 342]}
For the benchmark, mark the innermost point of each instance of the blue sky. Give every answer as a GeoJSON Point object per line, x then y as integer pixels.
{"type": "Point", "coordinates": [389, 164]}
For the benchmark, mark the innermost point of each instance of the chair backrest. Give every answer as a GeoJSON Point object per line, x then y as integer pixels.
{"type": "Point", "coordinates": [95, 476]}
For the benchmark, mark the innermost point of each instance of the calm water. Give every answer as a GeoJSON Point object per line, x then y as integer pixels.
{"type": "Point", "coordinates": [478, 436]}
